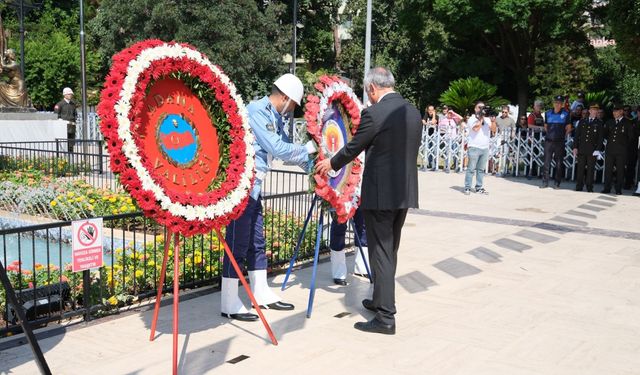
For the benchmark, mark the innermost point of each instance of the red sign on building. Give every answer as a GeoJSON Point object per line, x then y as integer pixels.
{"type": "Point", "coordinates": [87, 244]}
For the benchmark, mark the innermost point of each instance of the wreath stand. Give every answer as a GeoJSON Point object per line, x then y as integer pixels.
{"type": "Point", "coordinates": [312, 290]}
{"type": "Point", "coordinates": [176, 289]}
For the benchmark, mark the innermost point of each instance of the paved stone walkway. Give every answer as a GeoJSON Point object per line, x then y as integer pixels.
{"type": "Point", "coordinates": [521, 281]}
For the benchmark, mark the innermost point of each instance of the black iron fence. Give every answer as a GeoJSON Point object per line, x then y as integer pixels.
{"type": "Point", "coordinates": [74, 160]}
{"type": "Point", "coordinates": [38, 258]}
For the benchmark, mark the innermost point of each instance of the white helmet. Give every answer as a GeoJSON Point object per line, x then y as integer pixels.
{"type": "Point", "coordinates": [66, 91]}
{"type": "Point", "coordinates": [291, 86]}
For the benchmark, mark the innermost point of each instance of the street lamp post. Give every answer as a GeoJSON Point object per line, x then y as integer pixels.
{"type": "Point", "coordinates": [367, 49]}
{"type": "Point", "coordinates": [294, 44]}
{"type": "Point", "coordinates": [83, 75]}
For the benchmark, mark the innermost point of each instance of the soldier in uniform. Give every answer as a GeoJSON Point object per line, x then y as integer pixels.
{"type": "Point", "coordinates": [586, 145]}
{"type": "Point", "coordinates": [245, 235]}
{"type": "Point", "coordinates": [618, 132]}
{"type": "Point", "coordinates": [632, 150]}
{"type": "Point", "coordinates": [557, 126]}
{"type": "Point", "coordinates": [66, 110]}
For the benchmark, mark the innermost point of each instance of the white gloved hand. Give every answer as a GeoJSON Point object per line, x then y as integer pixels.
{"type": "Point", "coordinates": [598, 154]}
{"type": "Point", "coordinates": [311, 147]}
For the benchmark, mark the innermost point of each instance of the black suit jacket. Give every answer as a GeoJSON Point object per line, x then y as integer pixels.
{"type": "Point", "coordinates": [618, 136]}
{"type": "Point", "coordinates": [390, 132]}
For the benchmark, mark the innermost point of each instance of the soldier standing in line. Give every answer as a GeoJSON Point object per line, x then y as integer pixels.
{"type": "Point", "coordinates": [66, 110]}
{"type": "Point", "coordinates": [618, 132]}
{"type": "Point", "coordinates": [586, 144]}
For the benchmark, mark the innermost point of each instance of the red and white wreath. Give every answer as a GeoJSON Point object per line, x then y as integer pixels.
{"type": "Point", "coordinates": [342, 190]}
{"type": "Point", "coordinates": [133, 74]}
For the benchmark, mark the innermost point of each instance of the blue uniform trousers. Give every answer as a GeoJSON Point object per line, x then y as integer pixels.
{"type": "Point", "coordinates": [336, 242]}
{"type": "Point", "coordinates": [245, 236]}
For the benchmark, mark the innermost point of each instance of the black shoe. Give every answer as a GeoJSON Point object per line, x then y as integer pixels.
{"type": "Point", "coordinates": [578, 188]}
{"type": "Point", "coordinates": [544, 185]}
{"type": "Point", "coordinates": [361, 275]}
{"type": "Point", "coordinates": [282, 306]}
{"type": "Point", "coordinates": [342, 282]}
{"type": "Point", "coordinates": [375, 326]}
{"type": "Point", "coordinates": [590, 189]}
{"type": "Point", "coordinates": [636, 194]}
{"type": "Point", "coordinates": [606, 191]}
{"type": "Point", "coordinates": [368, 304]}
{"type": "Point", "coordinates": [243, 317]}
{"type": "Point", "coordinates": [618, 193]}
{"type": "Point", "coordinates": [556, 186]}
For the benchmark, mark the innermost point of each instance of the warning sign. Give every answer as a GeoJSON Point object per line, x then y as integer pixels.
{"type": "Point", "coordinates": [87, 244]}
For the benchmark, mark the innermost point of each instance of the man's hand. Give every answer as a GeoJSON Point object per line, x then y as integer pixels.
{"type": "Point", "coordinates": [575, 152]}
{"type": "Point", "coordinates": [323, 167]}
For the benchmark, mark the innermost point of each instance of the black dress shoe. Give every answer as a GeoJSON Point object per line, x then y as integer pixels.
{"type": "Point", "coordinates": [342, 282]}
{"type": "Point", "coordinates": [282, 306]}
{"type": "Point", "coordinates": [590, 189]}
{"type": "Point", "coordinates": [578, 188]}
{"type": "Point", "coordinates": [244, 317]}
{"type": "Point", "coordinates": [556, 186]}
{"type": "Point", "coordinates": [606, 191]}
{"type": "Point", "coordinates": [618, 193]}
{"type": "Point", "coordinates": [376, 326]}
{"type": "Point", "coordinates": [368, 304]}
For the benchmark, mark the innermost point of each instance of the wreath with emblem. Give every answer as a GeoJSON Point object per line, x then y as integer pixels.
{"type": "Point", "coordinates": [178, 136]}
{"type": "Point", "coordinates": [333, 117]}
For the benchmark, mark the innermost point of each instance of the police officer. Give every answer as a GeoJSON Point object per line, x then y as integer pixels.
{"type": "Point", "coordinates": [336, 244]}
{"type": "Point", "coordinates": [245, 235]}
{"type": "Point", "coordinates": [557, 126]}
{"type": "Point", "coordinates": [586, 146]}
{"type": "Point", "coordinates": [66, 110]}
{"type": "Point", "coordinates": [619, 133]}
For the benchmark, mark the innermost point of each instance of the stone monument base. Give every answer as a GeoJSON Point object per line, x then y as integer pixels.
{"type": "Point", "coordinates": [31, 127]}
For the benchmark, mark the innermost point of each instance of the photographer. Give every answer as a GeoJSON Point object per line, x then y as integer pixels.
{"type": "Point", "coordinates": [480, 129]}
{"type": "Point", "coordinates": [557, 126]}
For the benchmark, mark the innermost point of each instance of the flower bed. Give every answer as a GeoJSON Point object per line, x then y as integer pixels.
{"type": "Point", "coordinates": [33, 193]}
{"type": "Point", "coordinates": [52, 166]}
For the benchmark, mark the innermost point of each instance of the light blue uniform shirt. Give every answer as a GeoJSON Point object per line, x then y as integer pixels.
{"type": "Point", "coordinates": [271, 141]}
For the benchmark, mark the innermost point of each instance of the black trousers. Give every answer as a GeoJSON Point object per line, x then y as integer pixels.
{"type": "Point", "coordinates": [618, 160]}
{"type": "Point", "coordinates": [384, 228]}
{"type": "Point", "coordinates": [588, 161]}
{"type": "Point", "coordinates": [553, 150]}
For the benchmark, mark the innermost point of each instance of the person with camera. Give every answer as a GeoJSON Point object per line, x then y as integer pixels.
{"type": "Point", "coordinates": [557, 126]}
{"type": "Point", "coordinates": [66, 110]}
{"type": "Point", "coordinates": [480, 129]}
{"type": "Point", "coordinates": [586, 145]}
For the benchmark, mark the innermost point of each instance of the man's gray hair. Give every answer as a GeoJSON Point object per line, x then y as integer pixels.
{"type": "Point", "coordinates": [538, 103]}
{"type": "Point", "coordinates": [380, 77]}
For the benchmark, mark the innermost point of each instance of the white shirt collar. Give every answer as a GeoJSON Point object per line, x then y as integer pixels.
{"type": "Point", "coordinates": [385, 94]}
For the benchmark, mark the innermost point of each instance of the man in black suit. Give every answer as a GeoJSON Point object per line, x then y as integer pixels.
{"type": "Point", "coordinates": [619, 133]}
{"type": "Point", "coordinates": [390, 132]}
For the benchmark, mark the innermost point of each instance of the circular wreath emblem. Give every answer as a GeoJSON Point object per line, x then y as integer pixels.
{"type": "Point", "coordinates": [178, 135]}
{"type": "Point", "coordinates": [332, 120]}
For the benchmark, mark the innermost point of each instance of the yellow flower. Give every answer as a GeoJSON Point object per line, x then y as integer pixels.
{"type": "Point", "coordinates": [197, 259]}
{"type": "Point", "coordinates": [70, 194]}
{"type": "Point", "coordinates": [151, 263]}
{"type": "Point", "coordinates": [129, 200]}
{"type": "Point", "coordinates": [123, 209]}
{"type": "Point", "coordinates": [112, 199]}
{"type": "Point", "coordinates": [79, 199]}
{"type": "Point", "coordinates": [53, 203]}
{"type": "Point", "coordinates": [113, 300]}
{"type": "Point", "coordinates": [92, 200]}
{"type": "Point", "coordinates": [114, 211]}
{"type": "Point", "coordinates": [105, 198]}
{"type": "Point", "coordinates": [90, 207]}
{"type": "Point", "coordinates": [139, 273]}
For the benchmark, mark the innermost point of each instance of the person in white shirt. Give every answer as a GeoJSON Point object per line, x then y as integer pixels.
{"type": "Point", "coordinates": [478, 140]}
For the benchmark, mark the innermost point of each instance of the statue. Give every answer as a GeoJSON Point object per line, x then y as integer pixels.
{"type": "Point", "coordinates": [13, 92]}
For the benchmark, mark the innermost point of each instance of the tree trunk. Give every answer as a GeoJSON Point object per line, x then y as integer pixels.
{"type": "Point", "coordinates": [337, 45]}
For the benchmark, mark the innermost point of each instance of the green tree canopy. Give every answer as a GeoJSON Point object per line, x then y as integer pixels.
{"type": "Point", "coordinates": [624, 20]}
{"type": "Point", "coordinates": [245, 41]}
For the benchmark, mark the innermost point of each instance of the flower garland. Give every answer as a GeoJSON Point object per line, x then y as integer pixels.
{"type": "Point", "coordinates": [331, 89]}
{"type": "Point", "coordinates": [133, 71]}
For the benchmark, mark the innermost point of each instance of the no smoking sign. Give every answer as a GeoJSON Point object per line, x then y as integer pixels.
{"type": "Point", "coordinates": [87, 244]}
